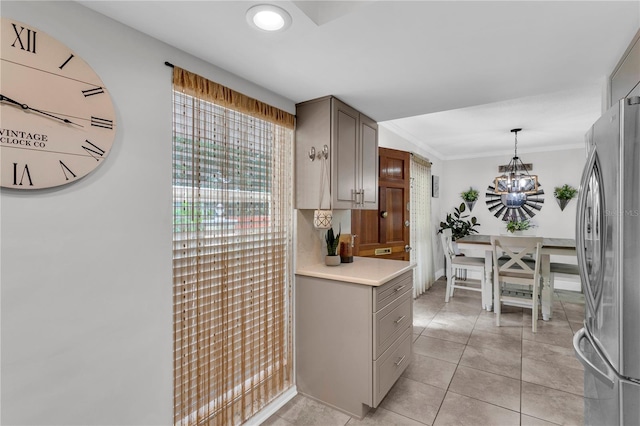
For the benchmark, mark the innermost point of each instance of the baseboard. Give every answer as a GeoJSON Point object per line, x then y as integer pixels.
{"type": "Point", "coordinates": [273, 407]}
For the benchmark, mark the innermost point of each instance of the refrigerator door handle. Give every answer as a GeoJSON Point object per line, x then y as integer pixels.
{"type": "Point", "coordinates": [580, 219]}
{"type": "Point", "coordinates": [608, 378]}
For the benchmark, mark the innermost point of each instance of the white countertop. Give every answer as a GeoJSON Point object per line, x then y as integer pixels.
{"type": "Point", "coordinates": [363, 270]}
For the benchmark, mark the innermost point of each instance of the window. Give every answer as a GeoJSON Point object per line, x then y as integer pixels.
{"type": "Point", "coordinates": [232, 258]}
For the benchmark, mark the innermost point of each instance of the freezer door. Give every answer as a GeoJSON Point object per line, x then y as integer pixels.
{"type": "Point", "coordinates": [630, 242]}
{"type": "Point", "coordinates": [609, 398]}
{"type": "Point", "coordinates": [601, 386]}
{"type": "Point", "coordinates": [630, 403]}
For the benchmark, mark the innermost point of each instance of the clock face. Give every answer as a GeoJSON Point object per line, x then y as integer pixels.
{"type": "Point", "coordinates": [57, 121]}
{"type": "Point", "coordinates": [514, 206]}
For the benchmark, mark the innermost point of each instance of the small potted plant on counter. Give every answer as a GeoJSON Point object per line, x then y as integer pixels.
{"type": "Point", "coordinates": [564, 194]}
{"type": "Point", "coordinates": [332, 258]}
{"type": "Point", "coordinates": [470, 197]}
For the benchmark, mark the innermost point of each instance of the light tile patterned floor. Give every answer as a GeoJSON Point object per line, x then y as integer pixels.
{"type": "Point", "coordinates": [467, 371]}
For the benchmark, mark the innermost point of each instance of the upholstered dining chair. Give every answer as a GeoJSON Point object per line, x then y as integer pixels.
{"type": "Point", "coordinates": [455, 262]}
{"type": "Point", "coordinates": [516, 274]}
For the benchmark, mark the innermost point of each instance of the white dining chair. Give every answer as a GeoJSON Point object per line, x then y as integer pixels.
{"type": "Point", "coordinates": [548, 282]}
{"type": "Point", "coordinates": [456, 262]}
{"type": "Point", "coordinates": [516, 276]}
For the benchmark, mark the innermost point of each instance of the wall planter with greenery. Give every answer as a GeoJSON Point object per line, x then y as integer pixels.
{"type": "Point", "coordinates": [470, 197]}
{"type": "Point", "coordinates": [564, 194]}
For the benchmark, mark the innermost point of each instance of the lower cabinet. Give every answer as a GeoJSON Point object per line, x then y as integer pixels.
{"type": "Point", "coordinates": [353, 341]}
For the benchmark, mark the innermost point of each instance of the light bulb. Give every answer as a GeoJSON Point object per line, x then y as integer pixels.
{"type": "Point", "coordinates": [269, 18]}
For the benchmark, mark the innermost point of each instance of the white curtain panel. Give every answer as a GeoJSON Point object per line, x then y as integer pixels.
{"type": "Point", "coordinates": [421, 232]}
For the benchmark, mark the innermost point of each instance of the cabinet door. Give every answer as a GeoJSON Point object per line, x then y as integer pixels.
{"type": "Point", "coordinates": [369, 162]}
{"type": "Point", "coordinates": [333, 342]}
{"type": "Point", "coordinates": [313, 132]}
{"type": "Point", "coordinates": [625, 80]}
{"type": "Point", "coordinates": [344, 172]}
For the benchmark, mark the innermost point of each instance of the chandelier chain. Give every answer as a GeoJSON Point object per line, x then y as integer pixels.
{"type": "Point", "coordinates": [516, 178]}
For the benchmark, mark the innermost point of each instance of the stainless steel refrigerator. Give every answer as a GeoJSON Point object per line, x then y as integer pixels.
{"type": "Point", "coordinates": [608, 248]}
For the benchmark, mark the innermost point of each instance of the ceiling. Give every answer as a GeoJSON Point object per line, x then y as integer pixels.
{"type": "Point", "coordinates": [453, 77]}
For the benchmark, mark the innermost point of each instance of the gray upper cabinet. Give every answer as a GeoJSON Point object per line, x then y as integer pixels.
{"type": "Point", "coordinates": [625, 79]}
{"type": "Point", "coordinates": [369, 162]}
{"type": "Point", "coordinates": [351, 139]}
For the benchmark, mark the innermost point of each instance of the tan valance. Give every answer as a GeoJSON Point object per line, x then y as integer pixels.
{"type": "Point", "coordinates": [195, 85]}
{"type": "Point", "coordinates": [421, 160]}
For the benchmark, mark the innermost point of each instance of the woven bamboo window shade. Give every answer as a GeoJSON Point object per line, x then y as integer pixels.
{"type": "Point", "coordinates": [232, 251]}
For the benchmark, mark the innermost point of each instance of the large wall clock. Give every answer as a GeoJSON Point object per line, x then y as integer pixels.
{"type": "Point", "coordinates": [57, 121]}
{"type": "Point", "coordinates": [514, 206]}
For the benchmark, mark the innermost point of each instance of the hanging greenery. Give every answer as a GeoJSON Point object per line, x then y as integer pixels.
{"type": "Point", "coordinates": [565, 192]}
{"type": "Point", "coordinates": [470, 195]}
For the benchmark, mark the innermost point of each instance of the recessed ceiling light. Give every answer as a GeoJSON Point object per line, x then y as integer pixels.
{"type": "Point", "coordinates": [267, 17]}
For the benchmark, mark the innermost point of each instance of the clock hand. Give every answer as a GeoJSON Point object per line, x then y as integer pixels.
{"type": "Point", "coordinates": [66, 120]}
{"type": "Point", "coordinates": [27, 107]}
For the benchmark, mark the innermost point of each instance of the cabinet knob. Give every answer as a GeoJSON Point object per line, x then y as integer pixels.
{"type": "Point", "coordinates": [384, 215]}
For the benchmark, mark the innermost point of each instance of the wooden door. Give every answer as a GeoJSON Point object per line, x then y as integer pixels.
{"type": "Point", "coordinates": [384, 233]}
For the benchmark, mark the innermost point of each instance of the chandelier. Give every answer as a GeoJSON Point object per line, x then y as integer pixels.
{"type": "Point", "coordinates": [516, 179]}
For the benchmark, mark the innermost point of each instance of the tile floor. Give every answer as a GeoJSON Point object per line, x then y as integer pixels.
{"type": "Point", "coordinates": [467, 371]}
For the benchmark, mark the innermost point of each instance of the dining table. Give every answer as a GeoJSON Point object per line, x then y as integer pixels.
{"type": "Point", "coordinates": [565, 247]}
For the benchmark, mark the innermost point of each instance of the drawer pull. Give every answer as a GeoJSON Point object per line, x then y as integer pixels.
{"type": "Point", "coordinates": [400, 288]}
{"type": "Point", "coordinates": [400, 361]}
{"type": "Point", "coordinates": [399, 320]}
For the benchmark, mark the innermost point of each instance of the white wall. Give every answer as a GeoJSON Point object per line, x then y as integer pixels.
{"type": "Point", "coordinates": [86, 287]}
{"type": "Point", "coordinates": [553, 168]}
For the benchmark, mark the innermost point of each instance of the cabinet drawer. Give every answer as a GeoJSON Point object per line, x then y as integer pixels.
{"type": "Point", "coordinates": [386, 293]}
{"type": "Point", "coordinates": [390, 366]}
{"type": "Point", "coordinates": [390, 322]}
